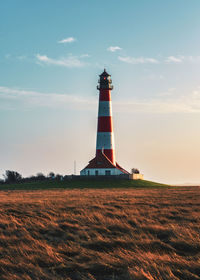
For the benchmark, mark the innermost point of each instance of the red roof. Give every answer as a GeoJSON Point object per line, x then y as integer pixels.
{"type": "Point", "coordinates": [102, 161]}
{"type": "Point", "coordinates": [122, 169]}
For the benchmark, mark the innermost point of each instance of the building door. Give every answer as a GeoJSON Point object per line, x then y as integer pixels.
{"type": "Point", "coordinates": [107, 172]}
{"type": "Point", "coordinates": [88, 173]}
{"type": "Point", "coordinates": [96, 172]}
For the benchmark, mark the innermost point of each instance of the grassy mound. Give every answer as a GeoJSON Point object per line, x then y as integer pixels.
{"type": "Point", "coordinates": [83, 183]}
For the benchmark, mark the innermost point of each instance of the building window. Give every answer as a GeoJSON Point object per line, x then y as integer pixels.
{"type": "Point", "coordinates": [107, 172]}
{"type": "Point", "coordinates": [88, 173]}
{"type": "Point", "coordinates": [96, 172]}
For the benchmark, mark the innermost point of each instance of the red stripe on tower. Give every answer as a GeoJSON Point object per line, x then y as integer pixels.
{"type": "Point", "coordinates": [105, 124]}
{"type": "Point", "coordinates": [105, 135]}
{"type": "Point", "coordinates": [109, 153]}
{"type": "Point", "coordinates": [105, 95]}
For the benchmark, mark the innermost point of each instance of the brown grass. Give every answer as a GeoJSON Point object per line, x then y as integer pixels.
{"type": "Point", "coordinates": [100, 234]}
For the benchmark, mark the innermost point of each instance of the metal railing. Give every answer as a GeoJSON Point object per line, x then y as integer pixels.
{"type": "Point", "coordinates": [105, 87]}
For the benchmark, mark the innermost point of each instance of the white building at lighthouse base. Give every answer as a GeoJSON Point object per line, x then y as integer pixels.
{"type": "Point", "coordinates": [102, 166]}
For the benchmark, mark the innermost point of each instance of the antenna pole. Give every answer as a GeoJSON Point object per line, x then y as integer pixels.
{"type": "Point", "coordinates": [74, 167]}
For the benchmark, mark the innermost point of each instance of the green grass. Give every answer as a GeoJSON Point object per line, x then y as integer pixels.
{"type": "Point", "coordinates": [86, 183]}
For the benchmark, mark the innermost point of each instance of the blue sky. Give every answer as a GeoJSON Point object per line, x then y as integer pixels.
{"type": "Point", "coordinates": [50, 57]}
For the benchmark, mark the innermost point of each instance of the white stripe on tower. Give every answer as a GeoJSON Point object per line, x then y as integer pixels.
{"type": "Point", "coordinates": [105, 108]}
{"type": "Point", "coordinates": [105, 140]}
{"type": "Point", "coordinates": [105, 135]}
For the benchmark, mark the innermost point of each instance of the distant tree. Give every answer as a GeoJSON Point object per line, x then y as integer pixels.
{"type": "Point", "coordinates": [29, 179]}
{"type": "Point", "coordinates": [59, 177]}
{"type": "Point", "coordinates": [51, 175]}
{"type": "Point", "coordinates": [12, 176]}
{"type": "Point", "coordinates": [40, 176]}
{"type": "Point", "coordinates": [1, 181]}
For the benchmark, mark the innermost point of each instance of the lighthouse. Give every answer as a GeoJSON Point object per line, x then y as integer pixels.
{"type": "Point", "coordinates": [105, 134]}
{"type": "Point", "coordinates": [104, 163]}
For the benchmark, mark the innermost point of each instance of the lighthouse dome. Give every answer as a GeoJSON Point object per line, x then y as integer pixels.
{"type": "Point", "coordinates": [105, 81]}
{"type": "Point", "coordinates": [104, 74]}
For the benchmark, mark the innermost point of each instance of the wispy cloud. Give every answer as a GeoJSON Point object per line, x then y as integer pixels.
{"type": "Point", "coordinates": [183, 59]}
{"type": "Point", "coordinates": [22, 57]}
{"type": "Point", "coordinates": [163, 103]}
{"type": "Point", "coordinates": [137, 60]}
{"type": "Point", "coordinates": [153, 76]}
{"type": "Point", "coordinates": [85, 55]}
{"type": "Point", "coordinates": [70, 61]}
{"type": "Point", "coordinates": [67, 40]}
{"type": "Point", "coordinates": [175, 59]}
{"type": "Point", "coordinates": [193, 59]}
{"type": "Point", "coordinates": [114, 48]}
{"type": "Point", "coordinates": [16, 57]}
{"type": "Point", "coordinates": [29, 99]}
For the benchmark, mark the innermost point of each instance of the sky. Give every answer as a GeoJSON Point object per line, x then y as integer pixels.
{"type": "Point", "coordinates": [51, 53]}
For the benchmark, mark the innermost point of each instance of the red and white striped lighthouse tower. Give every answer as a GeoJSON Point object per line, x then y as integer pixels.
{"type": "Point", "coordinates": [105, 134]}
{"type": "Point", "coordinates": [104, 162]}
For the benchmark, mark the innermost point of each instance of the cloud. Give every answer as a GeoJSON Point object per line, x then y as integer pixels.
{"type": "Point", "coordinates": [85, 55]}
{"type": "Point", "coordinates": [21, 57]}
{"type": "Point", "coordinates": [153, 76]}
{"type": "Point", "coordinates": [67, 40]}
{"type": "Point", "coordinates": [193, 59]}
{"type": "Point", "coordinates": [138, 60]}
{"type": "Point", "coordinates": [114, 49]}
{"type": "Point", "coordinates": [178, 59]}
{"type": "Point", "coordinates": [29, 99]}
{"type": "Point", "coordinates": [174, 59]}
{"type": "Point", "coordinates": [181, 58]}
{"type": "Point", "coordinates": [163, 104]}
{"type": "Point", "coordinates": [70, 61]}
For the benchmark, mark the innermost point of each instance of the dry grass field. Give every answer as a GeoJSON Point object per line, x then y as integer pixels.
{"type": "Point", "coordinates": [100, 234]}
